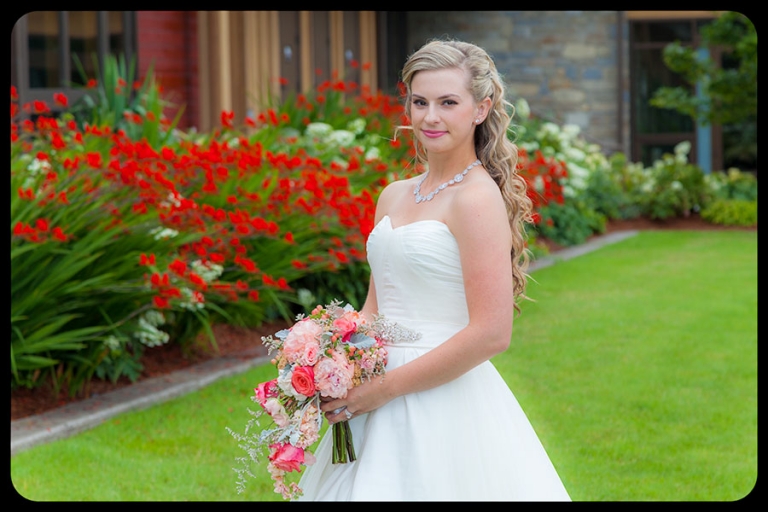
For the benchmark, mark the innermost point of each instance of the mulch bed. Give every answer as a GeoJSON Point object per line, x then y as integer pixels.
{"type": "Point", "coordinates": [232, 340]}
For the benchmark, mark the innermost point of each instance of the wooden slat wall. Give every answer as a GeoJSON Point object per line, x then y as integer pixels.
{"type": "Point", "coordinates": [240, 58]}
{"type": "Point", "coordinates": [654, 15]}
{"type": "Point", "coordinates": [368, 49]}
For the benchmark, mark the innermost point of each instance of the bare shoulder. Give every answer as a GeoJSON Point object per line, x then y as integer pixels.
{"type": "Point", "coordinates": [390, 194]}
{"type": "Point", "coordinates": [478, 211]}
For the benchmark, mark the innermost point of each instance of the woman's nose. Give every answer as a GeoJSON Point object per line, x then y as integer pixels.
{"type": "Point", "coordinates": [431, 116]}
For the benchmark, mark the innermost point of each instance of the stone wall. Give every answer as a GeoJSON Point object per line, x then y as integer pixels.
{"type": "Point", "coordinates": [565, 64]}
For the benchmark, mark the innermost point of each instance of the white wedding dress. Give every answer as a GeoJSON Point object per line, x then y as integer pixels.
{"type": "Point", "coordinates": [465, 440]}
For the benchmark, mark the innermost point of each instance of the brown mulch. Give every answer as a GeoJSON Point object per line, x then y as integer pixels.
{"type": "Point", "coordinates": [232, 340]}
{"type": "Point", "coordinates": [157, 361]}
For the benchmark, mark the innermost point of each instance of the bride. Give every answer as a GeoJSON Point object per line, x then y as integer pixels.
{"type": "Point", "coordinates": [448, 259]}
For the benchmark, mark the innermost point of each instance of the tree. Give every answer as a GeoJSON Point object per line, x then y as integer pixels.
{"type": "Point", "coordinates": [728, 90]}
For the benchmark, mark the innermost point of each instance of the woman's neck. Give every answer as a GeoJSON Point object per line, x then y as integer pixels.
{"type": "Point", "coordinates": [445, 166]}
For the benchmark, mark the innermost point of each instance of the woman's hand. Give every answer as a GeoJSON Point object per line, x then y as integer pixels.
{"type": "Point", "coordinates": [366, 397]}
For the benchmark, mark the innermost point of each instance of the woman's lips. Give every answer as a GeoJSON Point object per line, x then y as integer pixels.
{"type": "Point", "coordinates": [432, 134]}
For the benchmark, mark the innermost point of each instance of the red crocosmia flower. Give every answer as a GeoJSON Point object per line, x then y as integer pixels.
{"type": "Point", "coordinates": [227, 118]}
{"type": "Point", "coordinates": [14, 93]}
{"type": "Point", "coordinates": [250, 122]}
{"type": "Point", "coordinates": [283, 81]}
{"type": "Point", "coordinates": [94, 160]}
{"type": "Point", "coordinates": [146, 260]}
{"type": "Point", "coordinates": [40, 106]}
{"type": "Point", "coordinates": [140, 208]}
{"type": "Point", "coordinates": [42, 224]}
{"type": "Point", "coordinates": [216, 257]}
{"type": "Point", "coordinates": [63, 197]}
{"type": "Point", "coordinates": [178, 267]}
{"type": "Point", "coordinates": [160, 302]}
{"type": "Point", "coordinates": [253, 295]}
{"type": "Point", "coordinates": [232, 199]}
{"type": "Point", "coordinates": [298, 264]}
{"type": "Point", "coordinates": [289, 237]}
{"type": "Point", "coordinates": [197, 280]}
{"type": "Point", "coordinates": [58, 234]}
{"type": "Point", "coordinates": [246, 263]}
{"type": "Point", "coordinates": [241, 285]}
{"type": "Point", "coordinates": [57, 141]}
{"type": "Point", "coordinates": [60, 99]}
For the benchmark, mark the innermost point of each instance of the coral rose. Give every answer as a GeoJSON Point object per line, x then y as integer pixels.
{"type": "Point", "coordinates": [303, 380]}
{"type": "Point", "coordinates": [287, 457]}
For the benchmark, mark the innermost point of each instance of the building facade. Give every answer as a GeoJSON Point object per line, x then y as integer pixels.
{"type": "Point", "coordinates": [594, 69]}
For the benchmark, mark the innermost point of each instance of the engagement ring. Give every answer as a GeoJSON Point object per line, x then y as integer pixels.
{"type": "Point", "coordinates": [347, 413]}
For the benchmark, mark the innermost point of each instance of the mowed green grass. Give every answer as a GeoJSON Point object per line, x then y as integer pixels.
{"type": "Point", "coordinates": [637, 366]}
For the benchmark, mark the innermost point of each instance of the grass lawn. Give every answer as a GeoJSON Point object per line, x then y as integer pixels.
{"type": "Point", "coordinates": [637, 366]}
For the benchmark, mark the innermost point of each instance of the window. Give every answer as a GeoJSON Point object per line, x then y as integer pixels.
{"type": "Point", "coordinates": [46, 46]}
{"type": "Point", "coordinates": [656, 131]}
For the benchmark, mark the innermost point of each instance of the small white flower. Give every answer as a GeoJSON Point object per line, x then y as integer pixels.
{"type": "Point", "coordinates": [207, 271]}
{"type": "Point", "coordinates": [372, 154]}
{"type": "Point", "coordinates": [356, 126]}
{"type": "Point", "coordinates": [342, 138]}
{"type": "Point", "coordinates": [112, 342]}
{"type": "Point", "coordinates": [318, 129]}
{"type": "Point", "coordinates": [162, 233]}
{"type": "Point", "coordinates": [190, 302]}
{"type": "Point", "coordinates": [522, 108]}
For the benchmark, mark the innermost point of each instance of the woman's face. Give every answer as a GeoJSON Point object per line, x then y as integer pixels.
{"type": "Point", "coordinates": [443, 112]}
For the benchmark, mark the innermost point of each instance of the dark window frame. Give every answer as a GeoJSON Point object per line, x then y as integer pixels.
{"type": "Point", "coordinates": [20, 56]}
{"type": "Point", "coordinates": [638, 140]}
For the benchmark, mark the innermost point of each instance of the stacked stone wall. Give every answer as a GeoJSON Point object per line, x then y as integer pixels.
{"type": "Point", "coordinates": [565, 64]}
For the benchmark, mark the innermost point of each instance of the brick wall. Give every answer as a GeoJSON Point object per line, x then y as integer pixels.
{"type": "Point", "coordinates": [167, 41]}
{"type": "Point", "coordinates": [564, 63]}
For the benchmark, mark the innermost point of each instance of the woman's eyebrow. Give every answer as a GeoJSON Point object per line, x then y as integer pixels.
{"type": "Point", "coordinates": [444, 96]}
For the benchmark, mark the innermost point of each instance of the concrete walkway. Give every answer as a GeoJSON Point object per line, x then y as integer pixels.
{"type": "Point", "coordinates": [79, 416]}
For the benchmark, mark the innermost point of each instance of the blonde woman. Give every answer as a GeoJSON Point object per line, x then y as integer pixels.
{"type": "Point", "coordinates": [447, 258]}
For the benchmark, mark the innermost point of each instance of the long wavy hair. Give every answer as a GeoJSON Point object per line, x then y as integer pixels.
{"type": "Point", "coordinates": [493, 142]}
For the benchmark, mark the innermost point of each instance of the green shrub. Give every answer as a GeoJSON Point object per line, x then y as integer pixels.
{"type": "Point", "coordinates": [731, 212]}
{"type": "Point", "coordinates": [733, 184]}
{"type": "Point", "coordinates": [571, 223]}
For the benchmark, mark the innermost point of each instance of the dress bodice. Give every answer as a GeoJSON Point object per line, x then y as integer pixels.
{"type": "Point", "coordinates": [417, 273]}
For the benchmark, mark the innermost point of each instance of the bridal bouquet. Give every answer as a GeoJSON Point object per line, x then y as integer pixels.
{"type": "Point", "coordinates": [324, 354]}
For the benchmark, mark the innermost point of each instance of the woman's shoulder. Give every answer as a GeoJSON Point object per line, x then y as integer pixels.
{"type": "Point", "coordinates": [477, 204]}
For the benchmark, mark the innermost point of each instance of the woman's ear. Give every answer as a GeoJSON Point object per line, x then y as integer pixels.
{"type": "Point", "coordinates": [483, 108]}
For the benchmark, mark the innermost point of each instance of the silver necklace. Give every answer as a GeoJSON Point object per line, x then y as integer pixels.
{"type": "Point", "coordinates": [456, 179]}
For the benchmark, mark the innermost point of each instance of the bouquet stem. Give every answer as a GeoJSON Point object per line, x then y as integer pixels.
{"type": "Point", "coordinates": [343, 449]}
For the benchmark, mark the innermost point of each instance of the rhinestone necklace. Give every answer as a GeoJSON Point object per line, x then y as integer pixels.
{"type": "Point", "coordinates": [456, 179]}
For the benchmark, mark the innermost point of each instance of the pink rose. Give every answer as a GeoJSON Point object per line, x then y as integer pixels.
{"type": "Point", "coordinates": [286, 457]}
{"type": "Point", "coordinates": [303, 380]}
{"type": "Point", "coordinates": [301, 345]}
{"type": "Point", "coordinates": [277, 412]}
{"type": "Point", "coordinates": [333, 376]}
{"type": "Point", "coordinates": [266, 390]}
{"type": "Point", "coordinates": [345, 327]}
